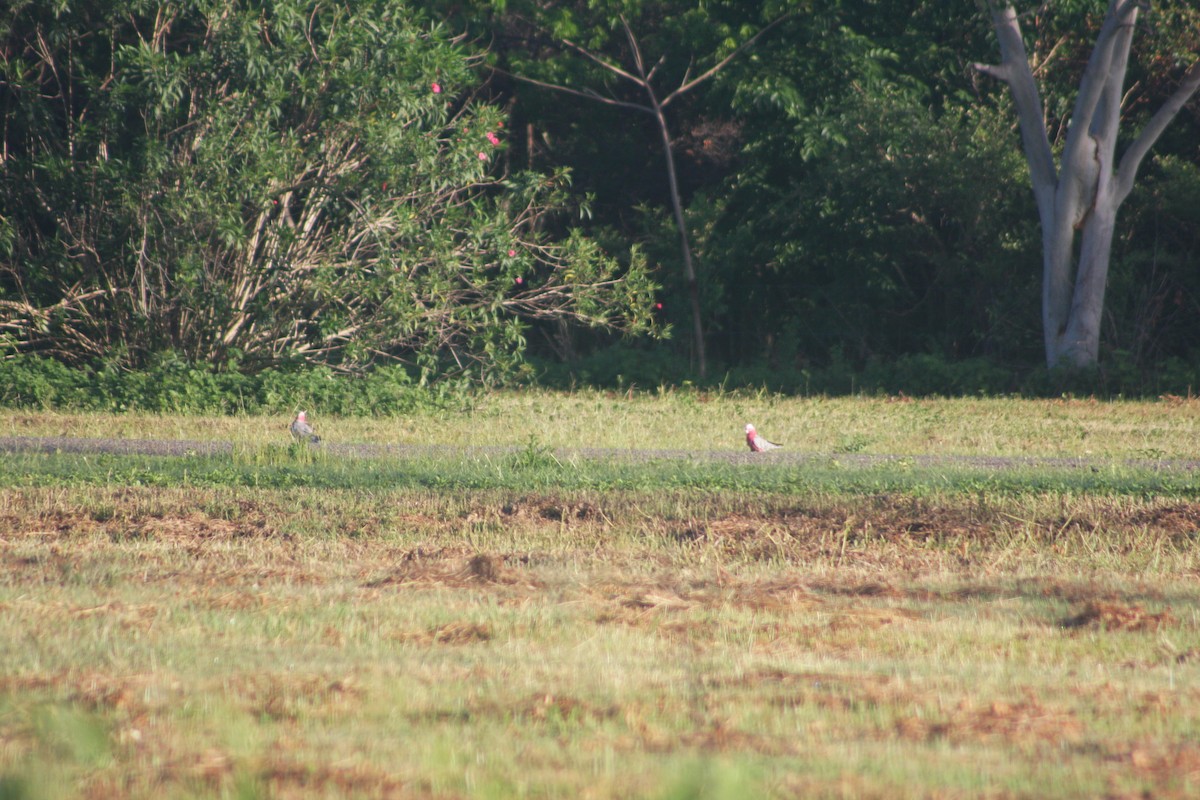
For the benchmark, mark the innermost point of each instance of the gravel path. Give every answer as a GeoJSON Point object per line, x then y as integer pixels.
{"type": "Point", "coordinates": [176, 447]}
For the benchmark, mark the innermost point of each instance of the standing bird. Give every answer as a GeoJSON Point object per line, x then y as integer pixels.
{"type": "Point", "coordinates": [756, 442]}
{"type": "Point", "coordinates": [302, 431]}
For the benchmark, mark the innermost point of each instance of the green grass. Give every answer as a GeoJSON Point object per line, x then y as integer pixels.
{"type": "Point", "coordinates": [534, 468]}
{"type": "Point", "coordinates": [284, 622]}
{"type": "Point", "coordinates": [698, 421]}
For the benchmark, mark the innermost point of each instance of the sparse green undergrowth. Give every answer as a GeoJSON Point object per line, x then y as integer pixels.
{"type": "Point", "coordinates": [286, 622]}
{"type": "Point", "coordinates": [693, 421]}
{"type": "Point", "coordinates": [538, 468]}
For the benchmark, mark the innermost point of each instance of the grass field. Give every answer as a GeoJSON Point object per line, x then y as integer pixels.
{"type": "Point", "coordinates": [691, 420]}
{"type": "Point", "coordinates": [283, 623]}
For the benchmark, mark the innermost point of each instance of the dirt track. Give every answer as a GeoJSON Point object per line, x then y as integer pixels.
{"type": "Point", "coordinates": [178, 447]}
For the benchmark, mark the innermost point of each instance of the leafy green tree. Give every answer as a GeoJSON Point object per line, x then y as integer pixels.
{"type": "Point", "coordinates": [263, 182]}
{"type": "Point", "coordinates": [648, 64]}
{"type": "Point", "coordinates": [654, 103]}
{"type": "Point", "coordinates": [856, 222]}
{"type": "Point", "coordinates": [852, 185]}
{"type": "Point", "coordinates": [1153, 298]}
{"type": "Point", "coordinates": [891, 238]}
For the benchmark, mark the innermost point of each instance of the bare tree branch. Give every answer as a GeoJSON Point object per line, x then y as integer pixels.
{"type": "Point", "coordinates": [588, 54]}
{"type": "Point", "coordinates": [687, 85]}
{"type": "Point", "coordinates": [1014, 70]}
{"type": "Point", "coordinates": [1132, 160]}
{"type": "Point", "coordinates": [587, 94]}
{"type": "Point", "coordinates": [1097, 76]}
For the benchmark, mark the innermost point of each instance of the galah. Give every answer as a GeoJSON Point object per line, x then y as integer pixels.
{"type": "Point", "coordinates": [302, 431]}
{"type": "Point", "coordinates": [756, 442]}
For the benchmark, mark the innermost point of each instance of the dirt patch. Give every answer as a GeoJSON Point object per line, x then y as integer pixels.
{"type": "Point", "coordinates": [181, 526]}
{"type": "Point", "coordinates": [1177, 519]}
{"type": "Point", "coordinates": [133, 695]}
{"type": "Point", "coordinates": [549, 706]}
{"type": "Point", "coordinates": [452, 633]}
{"type": "Point", "coordinates": [191, 527]}
{"type": "Point", "coordinates": [477, 569]}
{"type": "Point", "coordinates": [289, 779]}
{"type": "Point", "coordinates": [1174, 763]}
{"type": "Point", "coordinates": [1119, 617]}
{"type": "Point", "coordinates": [1024, 722]}
{"type": "Point", "coordinates": [291, 697]}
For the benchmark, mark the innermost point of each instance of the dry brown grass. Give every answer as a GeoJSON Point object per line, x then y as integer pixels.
{"type": "Point", "coordinates": [280, 643]}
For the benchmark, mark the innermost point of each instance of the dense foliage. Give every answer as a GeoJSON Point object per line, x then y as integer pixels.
{"type": "Point", "coordinates": [36, 382]}
{"type": "Point", "coordinates": [255, 183]}
{"type": "Point", "coordinates": [245, 184]}
{"type": "Point", "coordinates": [857, 191]}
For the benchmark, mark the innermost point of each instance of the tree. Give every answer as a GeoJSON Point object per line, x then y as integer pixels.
{"type": "Point", "coordinates": [264, 182]}
{"type": "Point", "coordinates": [890, 241]}
{"type": "Point", "coordinates": [1078, 197]}
{"type": "Point", "coordinates": [655, 103]}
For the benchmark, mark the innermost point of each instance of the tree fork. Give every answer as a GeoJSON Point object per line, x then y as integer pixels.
{"type": "Point", "coordinates": [1081, 195]}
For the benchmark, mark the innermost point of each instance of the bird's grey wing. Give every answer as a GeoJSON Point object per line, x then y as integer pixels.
{"type": "Point", "coordinates": [301, 430]}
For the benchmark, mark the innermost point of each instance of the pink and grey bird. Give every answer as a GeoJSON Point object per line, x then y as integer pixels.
{"type": "Point", "coordinates": [302, 431]}
{"type": "Point", "coordinates": [756, 442]}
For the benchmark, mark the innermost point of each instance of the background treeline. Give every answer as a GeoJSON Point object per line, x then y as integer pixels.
{"type": "Point", "coordinates": [855, 195]}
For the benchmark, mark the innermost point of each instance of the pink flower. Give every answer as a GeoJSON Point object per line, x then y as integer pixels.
{"type": "Point", "coordinates": [512, 253]}
{"type": "Point", "coordinates": [436, 88]}
{"type": "Point", "coordinates": [520, 280]}
{"type": "Point", "coordinates": [483, 156]}
{"type": "Point", "coordinates": [493, 138]}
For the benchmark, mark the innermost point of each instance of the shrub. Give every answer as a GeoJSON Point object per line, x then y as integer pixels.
{"type": "Point", "coordinates": [33, 382]}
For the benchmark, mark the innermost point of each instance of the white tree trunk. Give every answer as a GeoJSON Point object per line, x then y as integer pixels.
{"type": "Point", "coordinates": [1081, 195]}
{"type": "Point", "coordinates": [1078, 343]}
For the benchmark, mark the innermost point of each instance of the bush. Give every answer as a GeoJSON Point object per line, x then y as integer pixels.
{"type": "Point", "coordinates": [33, 382]}
{"type": "Point", "coordinates": [918, 374]}
{"type": "Point", "coordinates": [274, 182]}
{"type": "Point", "coordinates": [172, 386]}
